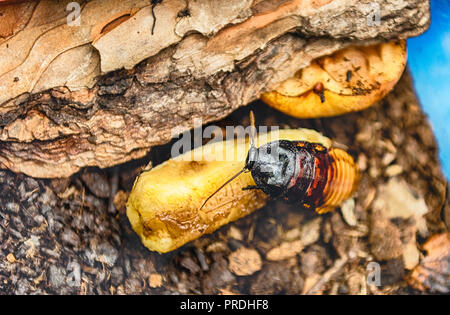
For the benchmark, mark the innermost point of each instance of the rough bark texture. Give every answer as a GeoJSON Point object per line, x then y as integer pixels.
{"type": "Point", "coordinates": [66, 104]}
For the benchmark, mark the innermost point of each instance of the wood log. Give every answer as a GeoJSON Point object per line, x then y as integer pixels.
{"type": "Point", "coordinates": [128, 75]}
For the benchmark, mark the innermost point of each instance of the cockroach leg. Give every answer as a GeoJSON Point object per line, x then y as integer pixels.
{"type": "Point", "coordinates": [251, 187]}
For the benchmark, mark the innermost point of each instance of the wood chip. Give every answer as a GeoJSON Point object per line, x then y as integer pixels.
{"type": "Point", "coordinates": [369, 198]}
{"type": "Point", "coordinates": [393, 170]}
{"type": "Point", "coordinates": [155, 280]}
{"type": "Point", "coordinates": [396, 200]}
{"type": "Point", "coordinates": [244, 261]}
{"type": "Point", "coordinates": [433, 273]}
{"type": "Point", "coordinates": [227, 292]}
{"type": "Point", "coordinates": [385, 238]}
{"type": "Point", "coordinates": [120, 201]}
{"type": "Point", "coordinates": [362, 162]}
{"type": "Point", "coordinates": [10, 257]}
{"type": "Point", "coordinates": [328, 275]}
{"type": "Point", "coordinates": [374, 172]}
{"type": "Point", "coordinates": [285, 250]}
{"type": "Point", "coordinates": [411, 255]}
{"type": "Point", "coordinates": [310, 282]}
{"type": "Point", "coordinates": [235, 233]}
{"type": "Point", "coordinates": [310, 232]}
{"type": "Point", "coordinates": [388, 158]}
{"type": "Point", "coordinates": [348, 212]}
{"type": "Point", "coordinates": [292, 234]}
{"type": "Point", "coordinates": [216, 247]}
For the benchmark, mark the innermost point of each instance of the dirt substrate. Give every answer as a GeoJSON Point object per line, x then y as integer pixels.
{"type": "Point", "coordinates": [72, 235]}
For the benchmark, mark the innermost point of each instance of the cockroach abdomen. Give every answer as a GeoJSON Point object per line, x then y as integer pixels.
{"type": "Point", "coordinates": [341, 182]}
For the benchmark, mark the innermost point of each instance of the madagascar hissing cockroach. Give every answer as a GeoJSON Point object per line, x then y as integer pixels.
{"type": "Point", "coordinates": [169, 204]}
{"type": "Point", "coordinates": [299, 172]}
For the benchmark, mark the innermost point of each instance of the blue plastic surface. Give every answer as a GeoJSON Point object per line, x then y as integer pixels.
{"type": "Point", "coordinates": [429, 63]}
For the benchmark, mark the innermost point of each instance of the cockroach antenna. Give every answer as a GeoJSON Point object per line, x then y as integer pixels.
{"type": "Point", "coordinates": [223, 185]}
{"type": "Point", "coordinates": [252, 146]}
{"type": "Point", "coordinates": [252, 128]}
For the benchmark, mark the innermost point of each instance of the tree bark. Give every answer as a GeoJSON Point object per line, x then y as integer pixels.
{"type": "Point", "coordinates": [107, 90]}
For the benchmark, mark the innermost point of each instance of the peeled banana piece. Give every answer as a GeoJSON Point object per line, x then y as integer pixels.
{"type": "Point", "coordinates": [164, 204]}
{"type": "Point", "coordinates": [349, 80]}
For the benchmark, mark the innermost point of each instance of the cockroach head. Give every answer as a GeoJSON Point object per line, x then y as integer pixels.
{"type": "Point", "coordinates": [252, 157]}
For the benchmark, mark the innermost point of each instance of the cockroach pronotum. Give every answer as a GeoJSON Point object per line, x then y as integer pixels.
{"type": "Point", "coordinates": [299, 172]}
